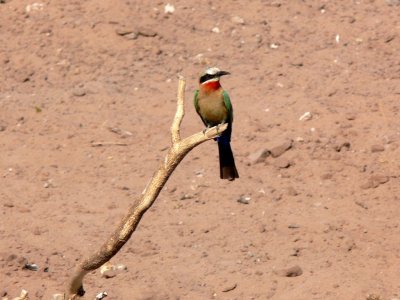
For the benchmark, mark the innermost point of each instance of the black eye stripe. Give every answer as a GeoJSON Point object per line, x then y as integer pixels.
{"type": "Point", "coordinates": [206, 77]}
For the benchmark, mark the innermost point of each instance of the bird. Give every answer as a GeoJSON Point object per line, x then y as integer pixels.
{"type": "Point", "coordinates": [213, 105]}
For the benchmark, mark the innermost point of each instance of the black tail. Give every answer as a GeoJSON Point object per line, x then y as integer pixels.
{"type": "Point", "coordinates": [226, 161]}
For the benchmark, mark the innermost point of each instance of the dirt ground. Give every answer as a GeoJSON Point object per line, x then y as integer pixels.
{"type": "Point", "coordinates": [315, 83]}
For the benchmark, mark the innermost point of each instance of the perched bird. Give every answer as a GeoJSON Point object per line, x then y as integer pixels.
{"type": "Point", "coordinates": [214, 107]}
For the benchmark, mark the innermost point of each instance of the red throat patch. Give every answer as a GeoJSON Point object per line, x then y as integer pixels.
{"type": "Point", "coordinates": [210, 86]}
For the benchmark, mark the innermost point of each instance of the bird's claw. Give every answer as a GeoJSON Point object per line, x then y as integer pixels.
{"type": "Point", "coordinates": [205, 129]}
{"type": "Point", "coordinates": [217, 127]}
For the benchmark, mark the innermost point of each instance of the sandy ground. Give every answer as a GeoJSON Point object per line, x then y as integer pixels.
{"type": "Point", "coordinates": [75, 73]}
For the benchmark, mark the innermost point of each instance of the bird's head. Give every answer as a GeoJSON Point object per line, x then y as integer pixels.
{"type": "Point", "coordinates": [211, 75]}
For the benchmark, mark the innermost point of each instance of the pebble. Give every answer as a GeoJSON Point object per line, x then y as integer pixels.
{"type": "Point", "coordinates": [280, 149]}
{"type": "Point", "coordinates": [22, 296]}
{"type": "Point", "coordinates": [123, 31]}
{"type": "Point", "coordinates": [377, 148]}
{"type": "Point", "coordinates": [186, 197]}
{"type": "Point", "coordinates": [290, 272]}
{"type": "Point", "coordinates": [147, 32]}
{"type": "Point", "coordinates": [262, 228]}
{"type": "Point", "coordinates": [350, 116]}
{"type": "Point", "coordinates": [229, 288]}
{"type": "Point", "coordinates": [109, 270]}
{"type": "Point", "coordinates": [326, 176]}
{"type": "Point", "coordinates": [79, 91]}
{"type": "Point", "coordinates": [169, 8]}
{"type": "Point", "coordinates": [101, 295]}
{"type": "Point", "coordinates": [244, 199]}
{"type": "Point", "coordinates": [306, 116]}
{"type": "Point", "coordinates": [215, 30]}
{"type": "Point", "coordinates": [259, 156]}
{"type": "Point", "coordinates": [342, 146]}
{"type": "Point", "coordinates": [393, 2]}
{"type": "Point", "coordinates": [374, 181]}
{"type": "Point", "coordinates": [293, 226]}
{"type": "Point", "coordinates": [282, 163]}
{"type": "Point", "coordinates": [34, 7]}
{"type": "Point", "coordinates": [31, 267]}
{"type": "Point", "coordinates": [291, 191]}
{"type": "Point", "coordinates": [237, 20]}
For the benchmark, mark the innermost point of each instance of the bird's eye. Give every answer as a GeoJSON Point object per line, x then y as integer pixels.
{"type": "Point", "coordinates": [206, 77]}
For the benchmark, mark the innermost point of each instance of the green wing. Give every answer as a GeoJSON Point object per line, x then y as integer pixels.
{"type": "Point", "coordinates": [228, 105]}
{"type": "Point", "coordinates": [196, 105]}
{"type": "Point", "coordinates": [196, 100]}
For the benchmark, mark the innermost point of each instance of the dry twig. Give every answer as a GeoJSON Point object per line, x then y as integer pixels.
{"type": "Point", "coordinates": [129, 223]}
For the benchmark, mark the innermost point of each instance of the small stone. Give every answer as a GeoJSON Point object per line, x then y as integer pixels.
{"type": "Point", "coordinates": [290, 272]}
{"type": "Point", "coordinates": [185, 197]}
{"type": "Point", "coordinates": [22, 296]}
{"type": "Point", "coordinates": [31, 267]}
{"type": "Point", "coordinates": [215, 30]}
{"type": "Point", "coordinates": [2, 127]}
{"type": "Point", "coordinates": [79, 92]}
{"type": "Point", "coordinates": [306, 116]}
{"type": "Point", "coordinates": [361, 204]}
{"type": "Point", "coordinates": [123, 31]}
{"type": "Point", "coordinates": [274, 46]}
{"type": "Point", "coordinates": [350, 116]}
{"type": "Point", "coordinates": [341, 146]}
{"type": "Point", "coordinates": [237, 20]}
{"type": "Point", "coordinates": [34, 7]}
{"type": "Point", "coordinates": [377, 148]}
{"type": "Point", "coordinates": [293, 226]}
{"type": "Point", "coordinates": [109, 274]}
{"type": "Point", "coordinates": [131, 36]}
{"type": "Point", "coordinates": [101, 295]}
{"type": "Point", "coordinates": [229, 288]}
{"type": "Point", "coordinates": [291, 191]}
{"type": "Point", "coordinates": [109, 270]}
{"type": "Point", "coordinates": [326, 176]}
{"type": "Point", "coordinates": [169, 8]}
{"type": "Point", "coordinates": [282, 163]}
{"type": "Point", "coordinates": [393, 2]}
{"type": "Point", "coordinates": [280, 149]}
{"type": "Point", "coordinates": [259, 156]}
{"type": "Point", "coordinates": [147, 32]}
{"type": "Point", "coordinates": [374, 181]}
{"type": "Point", "coordinates": [244, 200]}
{"type": "Point", "coordinates": [390, 38]}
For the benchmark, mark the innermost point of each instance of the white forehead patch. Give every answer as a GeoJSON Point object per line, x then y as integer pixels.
{"type": "Point", "coordinates": [212, 71]}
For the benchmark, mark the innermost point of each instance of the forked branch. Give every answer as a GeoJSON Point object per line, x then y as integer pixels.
{"type": "Point", "coordinates": [177, 151]}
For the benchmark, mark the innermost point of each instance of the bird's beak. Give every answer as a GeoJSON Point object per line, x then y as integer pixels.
{"type": "Point", "coordinates": [222, 73]}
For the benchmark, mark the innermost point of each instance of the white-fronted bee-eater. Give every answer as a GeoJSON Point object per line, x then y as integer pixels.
{"type": "Point", "coordinates": [214, 107]}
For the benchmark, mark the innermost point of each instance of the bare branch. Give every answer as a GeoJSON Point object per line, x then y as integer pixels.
{"type": "Point", "coordinates": [180, 112]}
{"type": "Point", "coordinates": [129, 223]}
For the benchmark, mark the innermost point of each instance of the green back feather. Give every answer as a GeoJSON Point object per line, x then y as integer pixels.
{"type": "Point", "coordinates": [228, 105]}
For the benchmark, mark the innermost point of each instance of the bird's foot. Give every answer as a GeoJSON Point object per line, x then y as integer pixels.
{"type": "Point", "coordinates": [205, 129]}
{"type": "Point", "coordinates": [219, 126]}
